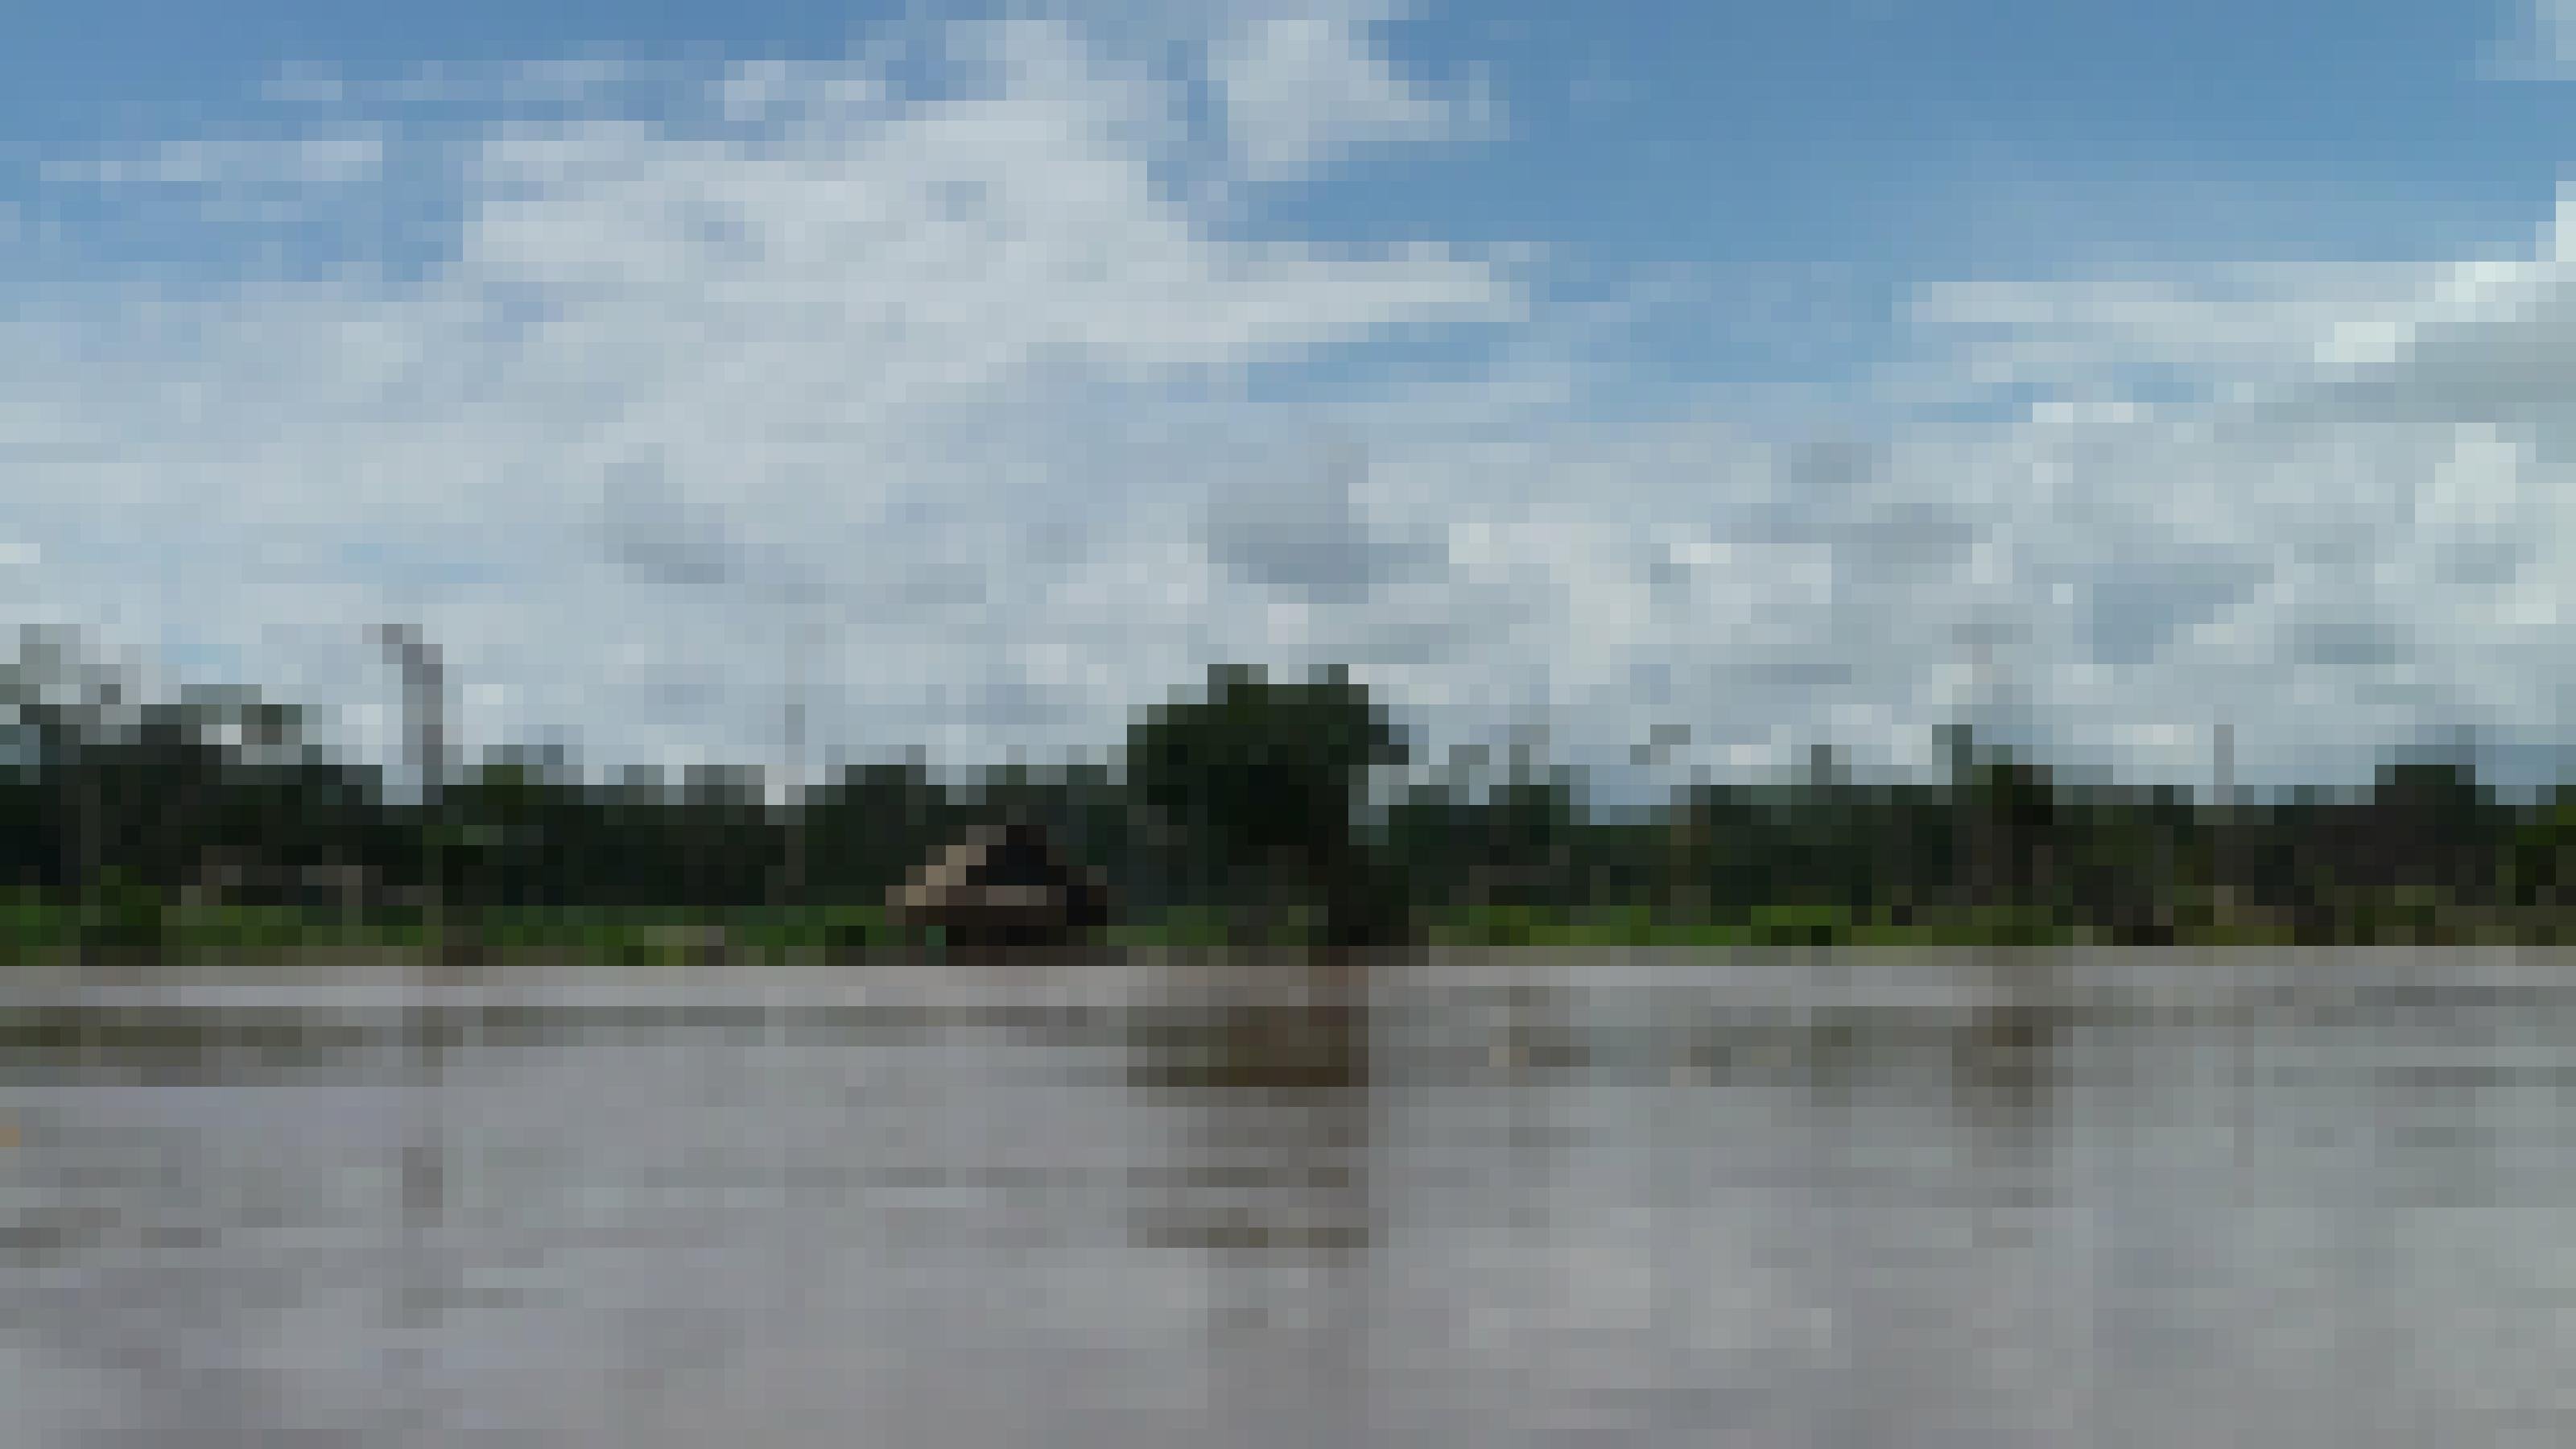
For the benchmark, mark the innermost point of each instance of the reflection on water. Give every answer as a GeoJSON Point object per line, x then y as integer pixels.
{"type": "Point", "coordinates": [2108, 1200]}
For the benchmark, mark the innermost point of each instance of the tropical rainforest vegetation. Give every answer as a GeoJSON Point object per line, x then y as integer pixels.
{"type": "Point", "coordinates": [1244, 814]}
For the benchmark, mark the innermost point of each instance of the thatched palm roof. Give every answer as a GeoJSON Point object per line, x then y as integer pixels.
{"type": "Point", "coordinates": [1002, 877]}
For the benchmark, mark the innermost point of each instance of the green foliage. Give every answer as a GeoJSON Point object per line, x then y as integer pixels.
{"type": "Point", "coordinates": [123, 921]}
{"type": "Point", "coordinates": [1235, 819]}
{"type": "Point", "coordinates": [35, 930]}
{"type": "Point", "coordinates": [1265, 783]}
{"type": "Point", "coordinates": [1260, 770]}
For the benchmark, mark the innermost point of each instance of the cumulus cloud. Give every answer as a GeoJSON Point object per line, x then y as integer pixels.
{"type": "Point", "coordinates": [797, 320]}
{"type": "Point", "coordinates": [1300, 524]}
{"type": "Point", "coordinates": [960, 369]}
{"type": "Point", "coordinates": [2321, 502]}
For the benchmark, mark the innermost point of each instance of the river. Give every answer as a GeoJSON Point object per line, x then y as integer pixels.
{"type": "Point", "coordinates": [2311, 1199]}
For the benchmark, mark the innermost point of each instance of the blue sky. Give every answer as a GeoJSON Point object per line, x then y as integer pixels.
{"type": "Point", "coordinates": [1564, 368]}
{"type": "Point", "coordinates": [1865, 133]}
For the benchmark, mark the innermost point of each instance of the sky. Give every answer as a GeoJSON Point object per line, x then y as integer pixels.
{"type": "Point", "coordinates": [1737, 378]}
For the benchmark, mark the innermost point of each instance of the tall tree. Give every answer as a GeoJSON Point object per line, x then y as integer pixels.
{"type": "Point", "coordinates": [1267, 782]}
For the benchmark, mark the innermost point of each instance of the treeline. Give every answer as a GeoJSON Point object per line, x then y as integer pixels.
{"type": "Point", "coordinates": [1249, 805]}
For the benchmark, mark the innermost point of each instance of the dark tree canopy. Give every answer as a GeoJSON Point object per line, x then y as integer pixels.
{"type": "Point", "coordinates": [1245, 804]}
{"type": "Point", "coordinates": [1260, 770]}
{"type": "Point", "coordinates": [1269, 780]}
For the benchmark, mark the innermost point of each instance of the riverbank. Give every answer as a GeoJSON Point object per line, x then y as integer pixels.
{"type": "Point", "coordinates": [143, 932]}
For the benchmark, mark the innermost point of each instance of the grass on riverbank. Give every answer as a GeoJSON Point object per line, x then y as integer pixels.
{"type": "Point", "coordinates": [139, 928]}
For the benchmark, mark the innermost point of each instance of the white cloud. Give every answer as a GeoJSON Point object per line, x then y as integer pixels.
{"type": "Point", "coordinates": [340, 156]}
{"type": "Point", "coordinates": [2225, 334]}
{"type": "Point", "coordinates": [2337, 521]}
{"type": "Point", "coordinates": [2538, 41]}
{"type": "Point", "coordinates": [971, 365]}
{"type": "Point", "coordinates": [1304, 85]}
{"type": "Point", "coordinates": [858, 343]}
{"type": "Point", "coordinates": [304, 83]}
